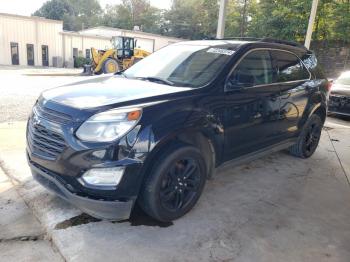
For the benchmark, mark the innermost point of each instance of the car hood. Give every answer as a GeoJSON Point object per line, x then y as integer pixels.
{"type": "Point", "coordinates": [341, 90]}
{"type": "Point", "coordinates": [107, 90]}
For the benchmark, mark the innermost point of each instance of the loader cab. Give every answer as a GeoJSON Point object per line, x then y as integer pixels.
{"type": "Point", "coordinates": [124, 46]}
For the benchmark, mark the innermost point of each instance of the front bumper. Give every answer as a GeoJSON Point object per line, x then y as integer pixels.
{"type": "Point", "coordinates": [58, 160]}
{"type": "Point", "coordinates": [102, 209]}
{"type": "Point", "coordinates": [339, 105]}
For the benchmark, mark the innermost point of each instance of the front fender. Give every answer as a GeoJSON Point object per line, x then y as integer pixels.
{"type": "Point", "coordinates": [188, 123]}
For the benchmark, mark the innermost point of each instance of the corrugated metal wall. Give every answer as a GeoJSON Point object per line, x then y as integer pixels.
{"type": "Point", "coordinates": [23, 31]}
{"type": "Point", "coordinates": [71, 41]}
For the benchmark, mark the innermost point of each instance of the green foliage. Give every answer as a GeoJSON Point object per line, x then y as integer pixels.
{"type": "Point", "coordinates": [193, 19]}
{"type": "Point", "coordinates": [197, 19]}
{"type": "Point", "coordinates": [55, 9]}
{"type": "Point", "coordinates": [132, 13]}
{"type": "Point", "coordinates": [80, 61]}
{"type": "Point", "coordinates": [118, 16]}
{"type": "Point", "coordinates": [76, 14]}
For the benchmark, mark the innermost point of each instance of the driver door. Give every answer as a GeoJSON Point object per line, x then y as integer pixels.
{"type": "Point", "coordinates": [252, 105]}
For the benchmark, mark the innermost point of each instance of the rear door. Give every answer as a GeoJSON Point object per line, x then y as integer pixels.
{"type": "Point", "coordinates": [293, 79]}
{"type": "Point", "coordinates": [252, 105]}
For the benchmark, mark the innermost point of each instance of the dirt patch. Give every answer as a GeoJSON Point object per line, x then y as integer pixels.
{"type": "Point", "coordinates": [23, 238]}
{"type": "Point", "coordinates": [326, 128]}
{"type": "Point", "coordinates": [140, 218]}
{"type": "Point", "coordinates": [81, 219]}
{"type": "Point", "coordinates": [137, 218]}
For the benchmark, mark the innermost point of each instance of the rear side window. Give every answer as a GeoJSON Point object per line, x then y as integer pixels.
{"type": "Point", "coordinates": [289, 67]}
{"type": "Point", "coordinates": [254, 69]}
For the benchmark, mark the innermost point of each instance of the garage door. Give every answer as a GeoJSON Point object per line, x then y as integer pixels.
{"type": "Point", "coordinates": [145, 44]}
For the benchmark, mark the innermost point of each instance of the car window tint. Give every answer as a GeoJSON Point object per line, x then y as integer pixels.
{"type": "Point", "coordinates": [289, 67]}
{"type": "Point", "coordinates": [184, 64]}
{"type": "Point", "coordinates": [254, 69]}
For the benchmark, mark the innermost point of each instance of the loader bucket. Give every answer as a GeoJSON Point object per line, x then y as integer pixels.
{"type": "Point", "coordinates": [88, 71]}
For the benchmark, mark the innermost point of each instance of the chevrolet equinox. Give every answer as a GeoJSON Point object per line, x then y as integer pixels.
{"type": "Point", "coordinates": [154, 134]}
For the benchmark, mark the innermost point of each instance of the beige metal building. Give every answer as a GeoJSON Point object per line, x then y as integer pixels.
{"type": "Point", "coordinates": [29, 40]}
{"type": "Point", "coordinates": [37, 41]}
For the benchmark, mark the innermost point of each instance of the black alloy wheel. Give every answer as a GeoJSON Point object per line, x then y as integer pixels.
{"type": "Point", "coordinates": [174, 183]}
{"type": "Point", "coordinates": [180, 185]}
{"type": "Point", "coordinates": [312, 137]}
{"type": "Point", "coordinates": [309, 138]}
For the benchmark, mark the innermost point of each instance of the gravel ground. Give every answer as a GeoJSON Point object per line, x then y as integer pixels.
{"type": "Point", "coordinates": [19, 91]}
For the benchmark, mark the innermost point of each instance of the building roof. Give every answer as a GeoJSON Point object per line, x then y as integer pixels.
{"type": "Point", "coordinates": [79, 34]}
{"type": "Point", "coordinates": [130, 31]}
{"type": "Point", "coordinates": [35, 18]}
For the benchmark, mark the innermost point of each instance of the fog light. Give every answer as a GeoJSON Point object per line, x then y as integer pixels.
{"type": "Point", "coordinates": [102, 177]}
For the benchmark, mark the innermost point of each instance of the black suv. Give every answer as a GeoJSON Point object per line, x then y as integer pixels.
{"type": "Point", "coordinates": [154, 134]}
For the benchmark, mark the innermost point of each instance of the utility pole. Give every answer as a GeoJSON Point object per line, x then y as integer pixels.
{"type": "Point", "coordinates": [221, 22]}
{"type": "Point", "coordinates": [311, 23]}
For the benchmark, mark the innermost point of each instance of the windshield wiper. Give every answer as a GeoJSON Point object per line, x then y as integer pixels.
{"type": "Point", "coordinates": [156, 79]}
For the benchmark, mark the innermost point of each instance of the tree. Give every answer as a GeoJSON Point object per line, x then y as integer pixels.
{"type": "Point", "coordinates": [193, 19]}
{"type": "Point", "coordinates": [132, 13]}
{"type": "Point", "coordinates": [118, 16]}
{"type": "Point", "coordinates": [197, 19]}
{"type": "Point", "coordinates": [55, 9]}
{"type": "Point", "coordinates": [76, 14]}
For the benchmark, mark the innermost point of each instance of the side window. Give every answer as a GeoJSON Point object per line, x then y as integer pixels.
{"type": "Point", "coordinates": [289, 67]}
{"type": "Point", "coordinates": [254, 69]}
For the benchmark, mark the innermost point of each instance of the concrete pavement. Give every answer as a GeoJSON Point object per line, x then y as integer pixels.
{"type": "Point", "coordinates": [278, 208]}
{"type": "Point", "coordinates": [22, 237]}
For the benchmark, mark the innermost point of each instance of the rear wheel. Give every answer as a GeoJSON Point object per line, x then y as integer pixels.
{"type": "Point", "coordinates": [175, 183]}
{"type": "Point", "coordinates": [110, 66]}
{"type": "Point", "coordinates": [309, 138]}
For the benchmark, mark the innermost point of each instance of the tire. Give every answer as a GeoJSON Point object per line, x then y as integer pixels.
{"type": "Point", "coordinates": [309, 138]}
{"type": "Point", "coordinates": [167, 194]}
{"type": "Point", "coordinates": [110, 66]}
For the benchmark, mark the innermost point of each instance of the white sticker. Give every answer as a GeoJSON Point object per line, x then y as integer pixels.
{"type": "Point", "coordinates": [220, 51]}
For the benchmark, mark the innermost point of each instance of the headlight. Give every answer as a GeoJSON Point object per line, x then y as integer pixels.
{"type": "Point", "coordinates": [110, 125]}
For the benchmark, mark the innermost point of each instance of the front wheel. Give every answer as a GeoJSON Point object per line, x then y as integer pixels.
{"type": "Point", "coordinates": [309, 138]}
{"type": "Point", "coordinates": [110, 66]}
{"type": "Point", "coordinates": [174, 184]}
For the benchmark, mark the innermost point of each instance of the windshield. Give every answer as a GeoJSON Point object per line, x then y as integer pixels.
{"type": "Point", "coordinates": [182, 65]}
{"type": "Point", "coordinates": [344, 79]}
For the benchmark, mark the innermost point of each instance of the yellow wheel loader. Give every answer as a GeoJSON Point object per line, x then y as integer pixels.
{"type": "Point", "coordinates": [123, 55]}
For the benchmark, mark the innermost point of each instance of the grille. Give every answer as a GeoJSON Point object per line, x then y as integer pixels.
{"type": "Point", "coordinates": [44, 142]}
{"type": "Point", "coordinates": [339, 101]}
{"type": "Point", "coordinates": [52, 115]}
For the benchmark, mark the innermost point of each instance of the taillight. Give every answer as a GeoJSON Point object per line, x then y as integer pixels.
{"type": "Point", "coordinates": [329, 85]}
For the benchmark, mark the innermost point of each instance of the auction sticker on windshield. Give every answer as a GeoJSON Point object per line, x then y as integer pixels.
{"type": "Point", "coordinates": [220, 51]}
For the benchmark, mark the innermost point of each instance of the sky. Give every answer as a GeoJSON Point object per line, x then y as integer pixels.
{"type": "Point", "coordinates": [27, 7]}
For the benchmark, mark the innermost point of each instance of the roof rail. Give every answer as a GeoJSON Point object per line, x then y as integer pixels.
{"type": "Point", "coordinates": [284, 42]}
{"type": "Point", "coordinates": [266, 39]}
{"type": "Point", "coordinates": [241, 38]}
